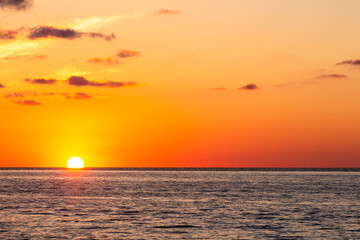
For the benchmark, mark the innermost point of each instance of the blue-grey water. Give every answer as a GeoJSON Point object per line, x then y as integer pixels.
{"type": "Point", "coordinates": [98, 204]}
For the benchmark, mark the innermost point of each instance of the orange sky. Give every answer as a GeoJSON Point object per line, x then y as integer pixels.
{"type": "Point", "coordinates": [135, 83]}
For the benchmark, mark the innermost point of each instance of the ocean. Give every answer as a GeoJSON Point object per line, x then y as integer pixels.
{"type": "Point", "coordinates": [179, 204]}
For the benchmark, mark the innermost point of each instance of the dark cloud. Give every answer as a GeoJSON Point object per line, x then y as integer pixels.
{"type": "Point", "coordinates": [218, 88]}
{"type": "Point", "coordinates": [166, 12]}
{"type": "Point", "coordinates": [25, 56]}
{"type": "Point", "coordinates": [124, 53]}
{"type": "Point", "coordinates": [16, 4]}
{"type": "Point", "coordinates": [44, 32]}
{"type": "Point", "coordinates": [2, 86]}
{"type": "Point", "coordinates": [333, 76]}
{"type": "Point", "coordinates": [249, 87]}
{"type": "Point", "coordinates": [67, 33]}
{"type": "Point", "coordinates": [81, 81]}
{"type": "Point", "coordinates": [8, 34]}
{"type": "Point", "coordinates": [103, 60]}
{"type": "Point", "coordinates": [355, 62]}
{"type": "Point", "coordinates": [28, 102]}
{"type": "Point", "coordinates": [42, 81]}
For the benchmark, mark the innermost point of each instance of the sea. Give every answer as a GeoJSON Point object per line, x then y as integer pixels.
{"type": "Point", "coordinates": [180, 204]}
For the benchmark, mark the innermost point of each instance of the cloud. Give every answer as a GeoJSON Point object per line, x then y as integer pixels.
{"type": "Point", "coordinates": [28, 102]}
{"type": "Point", "coordinates": [80, 95]}
{"type": "Point", "coordinates": [20, 94]}
{"type": "Point", "coordinates": [70, 71]}
{"type": "Point", "coordinates": [2, 86]}
{"type": "Point", "coordinates": [98, 21]}
{"type": "Point", "coordinates": [81, 81]}
{"type": "Point", "coordinates": [166, 11]}
{"type": "Point", "coordinates": [107, 60]}
{"type": "Point", "coordinates": [42, 81]}
{"type": "Point", "coordinates": [333, 76]}
{"type": "Point", "coordinates": [16, 4]}
{"type": "Point", "coordinates": [25, 56]}
{"type": "Point", "coordinates": [218, 88]}
{"type": "Point", "coordinates": [8, 34]}
{"type": "Point", "coordinates": [124, 53]}
{"type": "Point", "coordinates": [67, 33]}
{"type": "Point", "coordinates": [20, 47]}
{"type": "Point", "coordinates": [100, 35]}
{"type": "Point", "coordinates": [249, 87]}
{"type": "Point", "coordinates": [355, 62]}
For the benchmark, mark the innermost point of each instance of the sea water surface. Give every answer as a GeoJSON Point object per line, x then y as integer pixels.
{"type": "Point", "coordinates": [144, 204]}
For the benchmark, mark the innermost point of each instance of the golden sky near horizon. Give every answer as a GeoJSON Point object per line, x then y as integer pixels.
{"type": "Point", "coordinates": [201, 83]}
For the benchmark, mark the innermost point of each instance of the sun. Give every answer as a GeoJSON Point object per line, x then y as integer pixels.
{"type": "Point", "coordinates": [75, 162]}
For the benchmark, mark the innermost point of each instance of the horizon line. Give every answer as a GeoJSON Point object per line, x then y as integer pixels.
{"type": "Point", "coordinates": [339, 169]}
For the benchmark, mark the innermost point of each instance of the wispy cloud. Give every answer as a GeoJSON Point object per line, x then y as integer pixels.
{"type": "Point", "coordinates": [15, 4]}
{"type": "Point", "coordinates": [64, 33]}
{"type": "Point", "coordinates": [80, 95]}
{"type": "Point", "coordinates": [355, 62]}
{"type": "Point", "coordinates": [42, 81]}
{"type": "Point", "coordinates": [125, 53]}
{"type": "Point", "coordinates": [166, 11]}
{"type": "Point", "coordinates": [332, 76]}
{"type": "Point", "coordinates": [20, 94]}
{"type": "Point", "coordinates": [81, 81]}
{"type": "Point", "coordinates": [24, 40]}
{"type": "Point", "coordinates": [20, 47]}
{"type": "Point", "coordinates": [87, 24]}
{"type": "Point", "coordinates": [316, 80]}
{"type": "Point", "coordinates": [2, 86]}
{"type": "Point", "coordinates": [8, 34]}
{"type": "Point", "coordinates": [25, 56]}
{"type": "Point", "coordinates": [218, 88]}
{"type": "Point", "coordinates": [28, 102]}
{"type": "Point", "coordinates": [249, 87]}
{"type": "Point", "coordinates": [66, 95]}
{"type": "Point", "coordinates": [111, 71]}
{"type": "Point", "coordinates": [70, 71]}
{"type": "Point", "coordinates": [107, 60]}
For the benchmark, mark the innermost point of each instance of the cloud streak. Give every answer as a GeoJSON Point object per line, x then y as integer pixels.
{"type": "Point", "coordinates": [28, 102]}
{"type": "Point", "coordinates": [81, 82]}
{"type": "Point", "coordinates": [42, 81]}
{"type": "Point", "coordinates": [2, 86]}
{"type": "Point", "coordinates": [124, 53]}
{"type": "Point", "coordinates": [64, 33]}
{"type": "Point", "coordinates": [15, 4]}
{"type": "Point", "coordinates": [333, 76]}
{"type": "Point", "coordinates": [218, 88]}
{"type": "Point", "coordinates": [166, 11]}
{"type": "Point", "coordinates": [355, 62]}
{"type": "Point", "coordinates": [80, 95]}
{"type": "Point", "coordinates": [107, 60]}
{"type": "Point", "coordinates": [25, 56]}
{"type": "Point", "coordinates": [249, 87]}
{"type": "Point", "coordinates": [20, 94]}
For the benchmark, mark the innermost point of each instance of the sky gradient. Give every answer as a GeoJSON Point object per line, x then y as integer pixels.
{"type": "Point", "coordinates": [135, 83]}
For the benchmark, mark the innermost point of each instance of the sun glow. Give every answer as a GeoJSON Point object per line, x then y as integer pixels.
{"type": "Point", "coordinates": [75, 162]}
